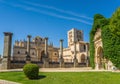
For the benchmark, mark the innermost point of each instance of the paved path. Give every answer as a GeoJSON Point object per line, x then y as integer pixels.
{"type": "Point", "coordinates": [82, 69]}
{"type": "Point", "coordinates": [7, 82]}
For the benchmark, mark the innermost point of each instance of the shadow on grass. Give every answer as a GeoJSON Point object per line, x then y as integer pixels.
{"type": "Point", "coordinates": [39, 77]}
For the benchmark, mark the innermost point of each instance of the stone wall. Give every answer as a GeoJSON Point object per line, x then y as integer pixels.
{"type": "Point", "coordinates": [50, 65]}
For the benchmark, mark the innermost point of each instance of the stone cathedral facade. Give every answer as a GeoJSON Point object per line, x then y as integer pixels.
{"type": "Point", "coordinates": [38, 47]}
{"type": "Point", "coordinates": [39, 51]}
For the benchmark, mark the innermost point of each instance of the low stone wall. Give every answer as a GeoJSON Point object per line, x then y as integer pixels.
{"type": "Point", "coordinates": [68, 65]}
{"type": "Point", "coordinates": [54, 65]}
{"type": "Point", "coordinates": [16, 65]}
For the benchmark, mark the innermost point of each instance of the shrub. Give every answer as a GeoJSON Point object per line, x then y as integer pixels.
{"type": "Point", "coordinates": [31, 71]}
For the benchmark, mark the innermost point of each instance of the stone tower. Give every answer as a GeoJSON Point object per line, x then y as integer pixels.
{"type": "Point", "coordinates": [7, 50]}
{"type": "Point", "coordinates": [74, 35]}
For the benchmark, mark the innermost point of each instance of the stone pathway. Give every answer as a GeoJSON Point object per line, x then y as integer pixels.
{"type": "Point", "coordinates": [82, 69]}
{"type": "Point", "coordinates": [7, 82]}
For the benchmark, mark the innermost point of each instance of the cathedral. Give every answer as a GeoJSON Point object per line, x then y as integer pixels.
{"type": "Point", "coordinates": [38, 50]}
{"type": "Point", "coordinates": [76, 48]}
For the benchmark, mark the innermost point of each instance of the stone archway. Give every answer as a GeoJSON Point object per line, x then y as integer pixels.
{"type": "Point", "coordinates": [83, 58]}
{"type": "Point", "coordinates": [99, 58]}
{"type": "Point", "coordinates": [98, 50]}
{"type": "Point", "coordinates": [43, 55]}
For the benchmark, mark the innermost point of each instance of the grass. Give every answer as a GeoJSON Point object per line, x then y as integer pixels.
{"type": "Point", "coordinates": [65, 78]}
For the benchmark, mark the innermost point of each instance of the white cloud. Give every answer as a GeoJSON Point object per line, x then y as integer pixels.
{"type": "Point", "coordinates": [51, 14]}
{"type": "Point", "coordinates": [59, 10]}
{"type": "Point", "coordinates": [33, 9]}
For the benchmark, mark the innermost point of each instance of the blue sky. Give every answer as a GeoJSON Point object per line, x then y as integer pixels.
{"type": "Point", "coordinates": [50, 18]}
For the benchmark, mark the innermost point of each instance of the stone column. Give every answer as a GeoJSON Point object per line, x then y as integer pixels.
{"type": "Point", "coordinates": [61, 53]}
{"type": "Point", "coordinates": [28, 59]}
{"type": "Point", "coordinates": [75, 59]}
{"type": "Point", "coordinates": [46, 58]}
{"type": "Point", "coordinates": [87, 59]}
{"type": "Point", "coordinates": [28, 44]}
{"type": "Point", "coordinates": [7, 50]}
{"type": "Point", "coordinates": [46, 47]}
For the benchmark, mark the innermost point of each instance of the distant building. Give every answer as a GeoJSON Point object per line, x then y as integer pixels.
{"type": "Point", "coordinates": [37, 48]}
{"type": "Point", "coordinates": [74, 35]}
{"type": "Point", "coordinates": [82, 48]}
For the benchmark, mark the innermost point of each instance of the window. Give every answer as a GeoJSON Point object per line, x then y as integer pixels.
{"type": "Point", "coordinates": [55, 53]}
{"type": "Point", "coordinates": [33, 53]}
{"type": "Point", "coordinates": [41, 39]}
{"type": "Point", "coordinates": [25, 52]}
{"type": "Point", "coordinates": [36, 39]}
{"type": "Point", "coordinates": [18, 52]}
{"type": "Point", "coordinates": [84, 48]}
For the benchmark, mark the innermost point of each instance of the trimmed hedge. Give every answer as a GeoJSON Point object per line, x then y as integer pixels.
{"type": "Point", "coordinates": [110, 37]}
{"type": "Point", "coordinates": [31, 71]}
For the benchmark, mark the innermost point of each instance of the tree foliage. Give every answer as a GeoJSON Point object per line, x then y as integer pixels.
{"type": "Point", "coordinates": [110, 37]}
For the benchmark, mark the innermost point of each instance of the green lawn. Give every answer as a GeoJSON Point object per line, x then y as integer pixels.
{"type": "Point", "coordinates": [65, 78]}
